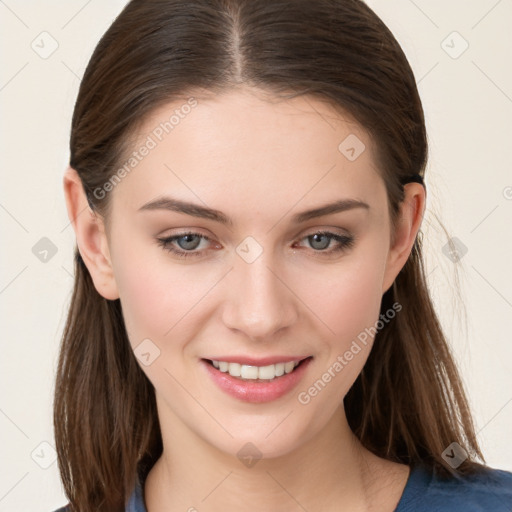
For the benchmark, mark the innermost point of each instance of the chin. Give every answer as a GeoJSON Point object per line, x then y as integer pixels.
{"type": "Point", "coordinates": [258, 442]}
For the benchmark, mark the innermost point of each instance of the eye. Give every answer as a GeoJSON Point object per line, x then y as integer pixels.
{"type": "Point", "coordinates": [183, 244]}
{"type": "Point", "coordinates": [320, 242]}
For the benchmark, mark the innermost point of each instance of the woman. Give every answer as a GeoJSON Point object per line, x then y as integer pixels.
{"type": "Point", "coordinates": [250, 326]}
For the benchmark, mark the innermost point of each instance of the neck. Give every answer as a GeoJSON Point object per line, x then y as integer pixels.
{"type": "Point", "coordinates": [330, 469]}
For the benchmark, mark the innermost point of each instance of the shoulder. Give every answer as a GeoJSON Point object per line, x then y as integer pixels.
{"type": "Point", "coordinates": [62, 509]}
{"type": "Point", "coordinates": [489, 489]}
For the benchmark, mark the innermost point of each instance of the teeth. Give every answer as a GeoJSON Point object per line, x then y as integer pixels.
{"type": "Point", "coordinates": [288, 367]}
{"type": "Point", "coordinates": [234, 369]}
{"type": "Point", "coordinates": [248, 372]}
{"type": "Point", "coordinates": [279, 369]}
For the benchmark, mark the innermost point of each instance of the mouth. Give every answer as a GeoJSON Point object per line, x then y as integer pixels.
{"type": "Point", "coordinates": [255, 373]}
{"type": "Point", "coordinates": [256, 383]}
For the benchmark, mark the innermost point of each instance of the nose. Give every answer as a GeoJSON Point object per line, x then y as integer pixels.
{"type": "Point", "coordinates": [261, 302]}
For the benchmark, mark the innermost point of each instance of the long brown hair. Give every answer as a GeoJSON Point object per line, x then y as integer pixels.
{"type": "Point", "coordinates": [408, 404]}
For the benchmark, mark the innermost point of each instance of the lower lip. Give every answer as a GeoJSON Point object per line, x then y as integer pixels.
{"type": "Point", "coordinates": [256, 392]}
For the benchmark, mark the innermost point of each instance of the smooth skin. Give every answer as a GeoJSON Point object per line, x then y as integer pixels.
{"type": "Point", "coordinates": [259, 161]}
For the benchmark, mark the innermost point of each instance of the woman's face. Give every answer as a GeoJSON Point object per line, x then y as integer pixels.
{"type": "Point", "coordinates": [256, 287]}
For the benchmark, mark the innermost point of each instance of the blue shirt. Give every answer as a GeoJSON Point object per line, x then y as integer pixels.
{"type": "Point", "coordinates": [425, 492]}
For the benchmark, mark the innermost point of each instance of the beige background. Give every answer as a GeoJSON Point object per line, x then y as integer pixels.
{"type": "Point", "coordinates": [468, 102]}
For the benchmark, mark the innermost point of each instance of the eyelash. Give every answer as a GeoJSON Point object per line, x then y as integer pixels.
{"type": "Point", "coordinates": [345, 242]}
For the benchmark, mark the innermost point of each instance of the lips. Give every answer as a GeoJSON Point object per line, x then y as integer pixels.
{"type": "Point", "coordinates": [256, 383]}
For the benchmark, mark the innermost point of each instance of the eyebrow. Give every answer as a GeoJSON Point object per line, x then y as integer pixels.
{"type": "Point", "coordinates": [196, 210]}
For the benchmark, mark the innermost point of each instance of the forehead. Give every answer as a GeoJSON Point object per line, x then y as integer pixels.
{"type": "Point", "coordinates": [251, 146]}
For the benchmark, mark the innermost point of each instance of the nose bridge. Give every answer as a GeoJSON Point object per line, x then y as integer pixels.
{"type": "Point", "coordinates": [260, 304]}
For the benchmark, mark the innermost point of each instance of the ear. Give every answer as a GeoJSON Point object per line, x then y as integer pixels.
{"type": "Point", "coordinates": [90, 236]}
{"type": "Point", "coordinates": [408, 224]}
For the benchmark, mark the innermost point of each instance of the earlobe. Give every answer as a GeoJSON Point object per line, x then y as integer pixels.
{"type": "Point", "coordinates": [90, 236]}
{"type": "Point", "coordinates": [409, 221]}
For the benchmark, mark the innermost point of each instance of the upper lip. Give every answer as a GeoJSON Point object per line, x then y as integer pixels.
{"type": "Point", "coordinates": [257, 361]}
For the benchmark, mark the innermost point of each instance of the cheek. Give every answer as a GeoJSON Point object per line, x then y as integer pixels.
{"type": "Point", "coordinates": [154, 295]}
{"type": "Point", "coordinates": [346, 296]}
{"type": "Point", "coordinates": [349, 305]}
